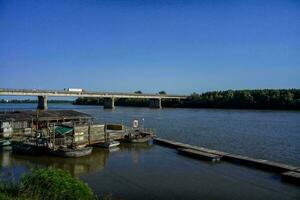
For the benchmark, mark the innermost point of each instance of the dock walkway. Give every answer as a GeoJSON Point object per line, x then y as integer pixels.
{"type": "Point", "coordinates": [289, 173]}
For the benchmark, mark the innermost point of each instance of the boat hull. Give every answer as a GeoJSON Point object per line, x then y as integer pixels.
{"type": "Point", "coordinates": [108, 144]}
{"type": "Point", "coordinates": [24, 148]}
{"type": "Point", "coordinates": [72, 153]}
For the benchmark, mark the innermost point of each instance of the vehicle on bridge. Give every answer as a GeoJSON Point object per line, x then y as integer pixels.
{"type": "Point", "coordinates": [74, 90]}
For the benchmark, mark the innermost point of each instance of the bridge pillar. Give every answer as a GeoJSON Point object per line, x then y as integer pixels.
{"type": "Point", "coordinates": [42, 103]}
{"type": "Point", "coordinates": [109, 103]}
{"type": "Point", "coordinates": [155, 103]}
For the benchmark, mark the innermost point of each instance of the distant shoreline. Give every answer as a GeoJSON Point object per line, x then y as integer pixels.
{"type": "Point", "coordinates": [132, 106]}
{"type": "Point", "coordinates": [219, 108]}
{"type": "Point", "coordinates": [266, 99]}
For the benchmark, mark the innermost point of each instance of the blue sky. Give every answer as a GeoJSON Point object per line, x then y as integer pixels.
{"type": "Point", "coordinates": [171, 45]}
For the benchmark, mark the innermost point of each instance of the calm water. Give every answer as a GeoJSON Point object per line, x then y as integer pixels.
{"type": "Point", "coordinates": [154, 172]}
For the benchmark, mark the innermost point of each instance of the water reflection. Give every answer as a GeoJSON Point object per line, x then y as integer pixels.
{"type": "Point", "coordinates": [76, 166]}
{"type": "Point", "coordinates": [136, 150]}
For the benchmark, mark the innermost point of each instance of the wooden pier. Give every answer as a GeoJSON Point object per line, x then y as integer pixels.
{"type": "Point", "coordinates": [289, 173]}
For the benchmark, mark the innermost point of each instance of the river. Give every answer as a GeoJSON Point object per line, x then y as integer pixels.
{"type": "Point", "coordinates": [154, 172]}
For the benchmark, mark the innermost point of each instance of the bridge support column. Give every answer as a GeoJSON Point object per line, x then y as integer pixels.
{"type": "Point", "coordinates": [109, 103]}
{"type": "Point", "coordinates": [42, 103]}
{"type": "Point", "coordinates": [155, 103]}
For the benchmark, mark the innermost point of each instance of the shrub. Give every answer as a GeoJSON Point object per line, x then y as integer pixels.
{"type": "Point", "coordinates": [54, 184]}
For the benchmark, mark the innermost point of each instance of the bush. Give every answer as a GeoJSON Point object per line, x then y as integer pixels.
{"type": "Point", "coordinates": [8, 191]}
{"type": "Point", "coordinates": [54, 184]}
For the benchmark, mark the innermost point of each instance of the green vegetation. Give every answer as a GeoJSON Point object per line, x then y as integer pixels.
{"type": "Point", "coordinates": [132, 102]}
{"type": "Point", "coordinates": [246, 99]}
{"type": "Point", "coordinates": [48, 184]}
{"type": "Point", "coordinates": [288, 99]}
{"type": "Point", "coordinates": [162, 93]}
{"type": "Point", "coordinates": [118, 102]}
{"type": "Point", "coordinates": [89, 101]}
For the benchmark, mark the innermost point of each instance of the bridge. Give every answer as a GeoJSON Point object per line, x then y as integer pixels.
{"type": "Point", "coordinates": [109, 97]}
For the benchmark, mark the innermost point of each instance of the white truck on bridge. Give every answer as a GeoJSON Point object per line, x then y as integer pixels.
{"type": "Point", "coordinates": [75, 90]}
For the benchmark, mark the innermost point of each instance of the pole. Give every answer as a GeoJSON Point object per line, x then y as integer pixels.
{"type": "Point", "coordinates": [89, 132]}
{"type": "Point", "coordinates": [54, 136]}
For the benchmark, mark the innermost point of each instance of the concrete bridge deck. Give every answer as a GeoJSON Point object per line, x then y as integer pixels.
{"type": "Point", "coordinates": [65, 93]}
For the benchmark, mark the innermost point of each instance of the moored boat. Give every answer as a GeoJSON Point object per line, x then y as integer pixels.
{"type": "Point", "coordinates": [142, 139]}
{"type": "Point", "coordinates": [71, 152]}
{"type": "Point", "coordinates": [27, 148]}
{"type": "Point", "coordinates": [108, 144]}
{"type": "Point", "coordinates": [136, 134]}
{"type": "Point", "coordinates": [137, 137]}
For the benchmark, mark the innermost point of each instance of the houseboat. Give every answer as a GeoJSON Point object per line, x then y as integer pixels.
{"type": "Point", "coordinates": [64, 133]}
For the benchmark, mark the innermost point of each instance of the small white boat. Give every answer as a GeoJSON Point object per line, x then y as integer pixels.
{"type": "Point", "coordinates": [108, 144]}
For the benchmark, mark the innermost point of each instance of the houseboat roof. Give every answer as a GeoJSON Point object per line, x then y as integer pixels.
{"type": "Point", "coordinates": [43, 115]}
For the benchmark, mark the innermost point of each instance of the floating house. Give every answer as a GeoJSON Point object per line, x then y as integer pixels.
{"type": "Point", "coordinates": [25, 123]}
{"type": "Point", "coordinates": [66, 133]}
{"type": "Point", "coordinates": [59, 128]}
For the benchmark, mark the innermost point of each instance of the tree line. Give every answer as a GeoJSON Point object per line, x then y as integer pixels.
{"type": "Point", "coordinates": [288, 99]}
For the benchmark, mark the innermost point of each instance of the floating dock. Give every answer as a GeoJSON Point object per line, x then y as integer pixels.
{"type": "Point", "coordinates": [199, 155]}
{"type": "Point", "coordinates": [291, 176]}
{"type": "Point", "coordinates": [177, 145]}
{"type": "Point", "coordinates": [259, 163]}
{"type": "Point", "coordinates": [289, 173]}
